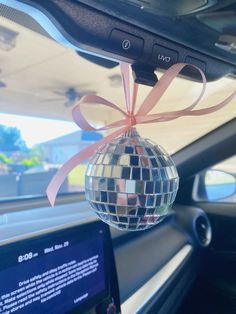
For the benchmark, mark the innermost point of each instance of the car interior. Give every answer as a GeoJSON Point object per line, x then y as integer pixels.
{"type": "Point", "coordinates": [63, 258]}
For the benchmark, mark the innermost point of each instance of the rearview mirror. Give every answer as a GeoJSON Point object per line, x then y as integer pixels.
{"type": "Point", "coordinates": [219, 184]}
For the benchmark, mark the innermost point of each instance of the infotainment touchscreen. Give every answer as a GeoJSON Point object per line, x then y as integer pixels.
{"type": "Point", "coordinates": [62, 272]}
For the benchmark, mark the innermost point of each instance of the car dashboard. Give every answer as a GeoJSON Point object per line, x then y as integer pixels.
{"type": "Point", "coordinates": [148, 272]}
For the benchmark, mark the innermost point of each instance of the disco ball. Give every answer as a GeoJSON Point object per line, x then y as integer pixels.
{"type": "Point", "coordinates": [131, 182]}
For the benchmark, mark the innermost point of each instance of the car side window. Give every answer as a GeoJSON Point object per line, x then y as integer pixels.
{"type": "Point", "coordinates": [217, 184]}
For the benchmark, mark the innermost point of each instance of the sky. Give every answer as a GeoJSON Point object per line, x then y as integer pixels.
{"type": "Point", "coordinates": [37, 130]}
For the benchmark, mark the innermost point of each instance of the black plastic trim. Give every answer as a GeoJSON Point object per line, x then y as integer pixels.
{"type": "Point", "coordinates": [89, 30]}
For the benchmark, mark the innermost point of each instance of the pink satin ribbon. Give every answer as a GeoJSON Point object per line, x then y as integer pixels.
{"type": "Point", "coordinates": [130, 118]}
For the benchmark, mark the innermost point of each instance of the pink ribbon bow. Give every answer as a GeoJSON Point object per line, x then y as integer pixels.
{"type": "Point", "coordinates": [130, 118]}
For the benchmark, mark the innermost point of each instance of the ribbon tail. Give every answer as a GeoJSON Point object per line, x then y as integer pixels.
{"type": "Point", "coordinates": [134, 97]}
{"type": "Point", "coordinates": [161, 86]}
{"type": "Point", "coordinates": [126, 84]}
{"type": "Point", "coordinates": [84, 154]}
{"type": "Point", "coordinates": [199, 112]}
{"type": "Point", "coordinates": [168, 116]}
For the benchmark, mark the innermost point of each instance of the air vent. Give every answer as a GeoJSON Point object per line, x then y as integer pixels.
{"type": "Point", "coordinates": [203, 230]}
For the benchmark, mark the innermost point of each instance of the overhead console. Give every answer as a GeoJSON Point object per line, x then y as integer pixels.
{"type": "Point", "coordinates": [67, 271]}
{"type": "Point", "coordinates": [146, 35]}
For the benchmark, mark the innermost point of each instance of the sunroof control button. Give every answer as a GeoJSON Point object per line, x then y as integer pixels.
{"type": "Point", "coordinates": [200, 64]}
{"type": "Point", "coordinates": [164, 57]}
{"type": "Point", "coordinates": [125, 44]}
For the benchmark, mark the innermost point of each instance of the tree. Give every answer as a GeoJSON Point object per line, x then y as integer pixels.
{"type": "Point", "coordinates": [37, 151]}
{"type": "Point", "coordinates": [11, 139]}
{"type": "Point", "coordinates": [4, 159]}
{"type": "Point", "coordinates": [31, 162]}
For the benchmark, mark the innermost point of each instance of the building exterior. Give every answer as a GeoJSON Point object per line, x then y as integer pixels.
{"type": "Point", "coordinates": [60, 149]}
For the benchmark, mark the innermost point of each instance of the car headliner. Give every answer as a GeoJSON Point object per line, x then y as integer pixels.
{"type": "Point", "coordinates": [38, 67]}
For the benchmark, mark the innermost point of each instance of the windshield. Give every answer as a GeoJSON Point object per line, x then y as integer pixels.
{"type": "Point", "coordinates": [40, 81]}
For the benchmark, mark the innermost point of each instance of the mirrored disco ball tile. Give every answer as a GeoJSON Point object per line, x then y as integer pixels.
{"type": "Point", "coordinates": [130, 186]}
{"type": "Point", "coordinates": [158, 200]}
{"type": "Point", "coordinates": [115, 159]}
{"type": "Point", "coordinates": [122, 198]}
{"type": "Point", "coordinates": [131, 211]}
{"type": "Point", "coordinates": [106, 159]}
{"type": "Point", "coordinates": [141, 211]}
{"type": "Point", "coordinates": [145, 161]}
{"type": "Point", "coordinates": [165, 199]}
{"type": "Point", "coordinates": [119, 150]}
{"type": "Point", "coordinates": [131, 182]}
{"type": "Point", "coordinates": [95, 184]}
{"type": "Point", "coordinates": [176, 183]}
{"type": "Point", "coordinates": [114, 219]}
{"type": "Point", "coordinates": [111, 209]}
{"type": "Point", "coordinates": [93, 171]}
{"type": "Point", "coordinates": [124, 160]}
{"type": "Point", "coordinates": [173, 174]}
{"type": "Point", "coordinates": [158, 187]}
{"type": "Point", "coordinates": [102, 207]}
{"type": "Point", "coordinates": [112, 197]}
{"type": "Point", "coordinates": [139, 187]}
{"type": "Point", "coordinates": [129, 149]}
{"type": "Point", "coordinates": [169, 173]}
{"type": "Point", "coordinates": [140, 150]}
{"type": "Point", "coordinates": [142, 200]}
{"type": "Point", "coordinates": [102, 184]}
{"type": "Point", "coordinates": [123, 219]}
{"type": "Point", "coordinates": [145, 174]}
{"type": "Point", "coordinates": [107, 171]}
{"type": "Point", "coordinates": [121, 210]}
{"type": "Point", "coordinates": [163, 174]}
{"type": "Point", "coordinates": [97, 196]}
{"type": "Point", "coordinates": [151, 211]}
{"type": "Point", "coordinates": [99, 171]}
{"type": "Point", "coordinates": [110, 184]}
{"type": "Point", "coordinates": [162, 161]}
{"type": "Point", "coordinates": [94, 159]}
{"type": "Point", "coordinates": [150, 201]}
{"type": "Point", "coordinates": [102, 148]}
{"type": "Point", "coordinates": [149, 189]}
{"type": "Point", "coordinates": [88, 182]}
{"type": "Point", "coordinates": [120, 185]}
{"type": "Point", "coordinates": [132, 199]}
{"type": "Point", "coordinates": [165, 185]}
{"type": "Point", "coordinates": [133, 141]}
{"type": "Point", "coordinates": [126, 171]}
{"type": "Point", "coordinates": [157, 150]}
{"type": "Point", "coordinates": [111, 148]}
{"type": "Point", "coordinates": [100, 159]}
{"type": "Point", "coordinates": [173, 196]}
{"type": "Point", "coordinates": [136, 172]}
{"type": "Point", "coordinates": [134, 220]}
{"type": "Point", "coordinates": [144, 220]}
{"type": "Point", "coordinates": [174, 170]}
{"type": "Point", "coordinates": [102, 196]}
{"type": "Point", "coordinates": [154, 162]}
{"type": "Point", "coordinates": [122, 226]}
{"type": "Point", "coordinates": [87, 195]}
{"type": "Point", "coordinates": [123, 140]}
{"type": "Point", "coordinates": [116, 172]}
{"type": "Point", "coordinates": [134, 160]}
{"type": "Point", "coordinates": [89, 169]}
{"type": "Point", "coordinates": [155, 174]}
{"type": "Point", "coordinates": [149, 151]}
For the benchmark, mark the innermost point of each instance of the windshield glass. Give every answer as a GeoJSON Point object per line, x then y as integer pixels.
{"type": "Point", "coordinates": [40, 81]}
